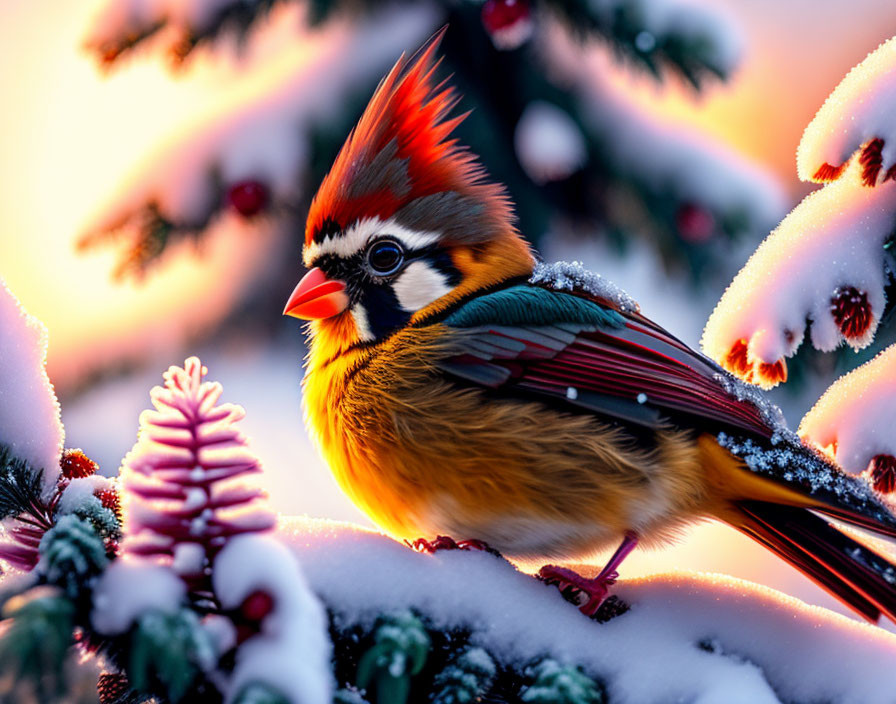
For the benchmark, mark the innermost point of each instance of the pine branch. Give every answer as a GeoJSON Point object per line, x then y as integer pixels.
{"type": "Point", "coordinates": [21, 488]}
{"type": "Point", "coordinates": [622, 24]}
{"type": "Point", "coordinates": [34, 644]}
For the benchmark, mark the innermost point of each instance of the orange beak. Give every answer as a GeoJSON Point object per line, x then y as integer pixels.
{"type": "Point", "coordinates": [317, 297]}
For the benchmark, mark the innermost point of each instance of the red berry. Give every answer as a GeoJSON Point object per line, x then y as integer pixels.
{"type": "Point", "coordinates": [695, 224]}
{"type": "Point", "coordinates": [248, 198]}
{"type": "Point", "coordinates": [852, 312]}
{"type": "Point", "coordinates": [508, 22]}
{"type": "Point", "coordinates": [256, 606]}
{"type": "Point", "coordinates": [76, 465]}
{"type": "Point", "coordinates": [109, 499]}
{"type": "Point", "coordinates": [883, 473]}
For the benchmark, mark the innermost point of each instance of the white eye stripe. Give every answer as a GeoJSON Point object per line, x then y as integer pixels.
{"type": "Point", "coordinates": [356, 238]}
{"type": "Point", "coordinates": [419, 285]}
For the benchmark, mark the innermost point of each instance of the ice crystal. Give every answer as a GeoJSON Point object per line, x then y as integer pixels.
{"type": "Point", "coordinates": [770, 413]}
{"type": "Point", "coordinates": [572, 276]}
{"type": "Point", "coordinates": [793, 463]}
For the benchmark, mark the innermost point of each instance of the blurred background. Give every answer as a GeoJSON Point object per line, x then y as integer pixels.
{"type": "Point", "coordinates": [159, 158]}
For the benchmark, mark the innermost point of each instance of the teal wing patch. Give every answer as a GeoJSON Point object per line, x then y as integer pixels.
{"type": "Point", "coordinates": [533, 306]}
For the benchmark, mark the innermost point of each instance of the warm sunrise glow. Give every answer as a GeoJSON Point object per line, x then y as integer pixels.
{"type": "Point", "coordinates": [80, 138]}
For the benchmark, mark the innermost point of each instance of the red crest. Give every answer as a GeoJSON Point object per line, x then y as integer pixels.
{"type": "Point", "coordinates": [400, 152]}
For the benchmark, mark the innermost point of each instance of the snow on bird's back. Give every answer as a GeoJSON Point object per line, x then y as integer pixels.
{"type": "Point", "coordinates": [824, 263]}
{"type": "Point", "coordinates": [854, 420]}
{"type": "Point", "coordinates": [856, 113]}
{"type": "Point", "coordinates": [30, 424]}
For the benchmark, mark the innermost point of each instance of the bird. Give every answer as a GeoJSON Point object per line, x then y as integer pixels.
{"type": "Point", "coordinates": [457, 386]}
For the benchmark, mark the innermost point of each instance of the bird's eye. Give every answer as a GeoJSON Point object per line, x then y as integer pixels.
{"type": "Point", "coordinates": [385, 257]}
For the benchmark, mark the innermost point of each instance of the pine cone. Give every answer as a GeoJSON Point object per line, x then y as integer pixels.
{"type": "Point", "coordinates": [114, 688]}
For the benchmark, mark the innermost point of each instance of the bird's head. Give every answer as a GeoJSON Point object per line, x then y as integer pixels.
{"type": "Point", "coordinates": [406, 222]}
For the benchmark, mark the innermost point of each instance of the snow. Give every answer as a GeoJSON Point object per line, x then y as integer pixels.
{"type": "Point", "coordinates": [858, 110]}
{"type": "Point", "coordinates": [80, 491]}
{"type": "Point", "coordinates": [292, 651]}
{"type": "Point", "coordinates": [771, 414]}
{"type": "Point", "coordinates": [855, 418]}
{"type": "Point", "coordinates": [572, 276]}
{"type": "Point", "coordinates": [832, 240]}
{"type": "Point", "coordinates": [717, 37]}
{"type": "Point", "coordinates": [765, 646]}
{"type": "Point", "coordinates": [549, 145]}
{"type": "Point", "coordinates": [263, 136]}
{"type": "Point", "coordinates": [129, 588]}
{"type": "Point", "coordinates": [30, 422]}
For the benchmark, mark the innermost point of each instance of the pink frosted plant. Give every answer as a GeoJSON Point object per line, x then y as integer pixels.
{"type": "Point", "coordinates": [183, 482]}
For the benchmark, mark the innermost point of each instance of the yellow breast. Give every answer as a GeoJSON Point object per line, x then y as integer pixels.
{"type": "Point", "coordinates": [422, 456]}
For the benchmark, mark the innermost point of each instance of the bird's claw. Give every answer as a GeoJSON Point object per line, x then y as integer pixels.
{"type": "Point", "coordinates": [574, 586]}
{"type": "Point", "coordinates": [445, 542]}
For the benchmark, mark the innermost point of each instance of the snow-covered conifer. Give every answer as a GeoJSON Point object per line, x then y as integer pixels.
{"type": "Point", "coordinates": [184, 489]}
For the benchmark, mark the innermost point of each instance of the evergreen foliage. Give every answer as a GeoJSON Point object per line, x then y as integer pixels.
{"type": "Point", "coordinates": [20, 487]}
{"type": "Point", "coordinates": [72, 554]}
{"type": "Point", "coordinates": [561, 684]}
{"type": "Point", "coordinates": [103, 520]}
{"type": "Point", "coordinates": [168, 650]}
{"type": "Point", "coordinates": [603, 193]}
{"type": "Point", "coordinates": [401, 646]}
{"type": "Point", "coordinates": [34, 641]}
{"type": "Point", "coordinates": [624, 27]}
{"type": "Point", "coordinates": [466, 678]}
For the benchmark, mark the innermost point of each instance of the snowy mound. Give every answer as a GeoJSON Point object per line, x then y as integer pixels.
{"type": "Point", "coordinates": [858, 112]}
{"type": "Point", "coordinates": [686, 637]}
{"type": "Point", "coordinates": [854, 419]}
{"type": "Point", "coordinates": [30, 424]}
{"type": "Point", "coordinates": [825, 263]}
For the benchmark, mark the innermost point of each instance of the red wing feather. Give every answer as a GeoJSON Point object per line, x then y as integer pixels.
{"type": "Point", "coordinates": [639, 364]}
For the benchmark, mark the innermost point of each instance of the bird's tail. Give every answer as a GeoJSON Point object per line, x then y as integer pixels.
{"type": "Point", "coordinates": [861, 578]}
{"type": "Point", "coordinates": [776, 495]}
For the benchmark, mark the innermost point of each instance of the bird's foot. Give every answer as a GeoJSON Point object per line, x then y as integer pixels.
{"type": "Point", "coordinates": [587, 593]}
{"type": "Point", "coordinates": [593, 591]}
{"type": "Point", "coordinates": [444, 542]}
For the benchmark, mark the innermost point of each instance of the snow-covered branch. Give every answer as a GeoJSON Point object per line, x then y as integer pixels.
{"type": "Point", "coordinates": [855, 118]}
{"type": "Point", "coordinates": [667, 163]}
{"type": "Point", "coordinates": [183, 186]}
{"type": "Point", "coordinates": [824, 265]}
{"type": "Point", "coordinates": [827, 264]}
{"type": "Point", "coordinates": [121, 25]}
{"type": "Point", "coordinates": [30, 425]}
{"type": "Point", "coordinates": [658, 34]}
{"type": "Point", "coordinates": [690, 638]}
{"type": "Point", "coordinates": [853, 421]}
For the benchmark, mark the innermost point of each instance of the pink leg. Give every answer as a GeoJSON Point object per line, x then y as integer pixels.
{"type": "Point", "coordinates": [596, 589]}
